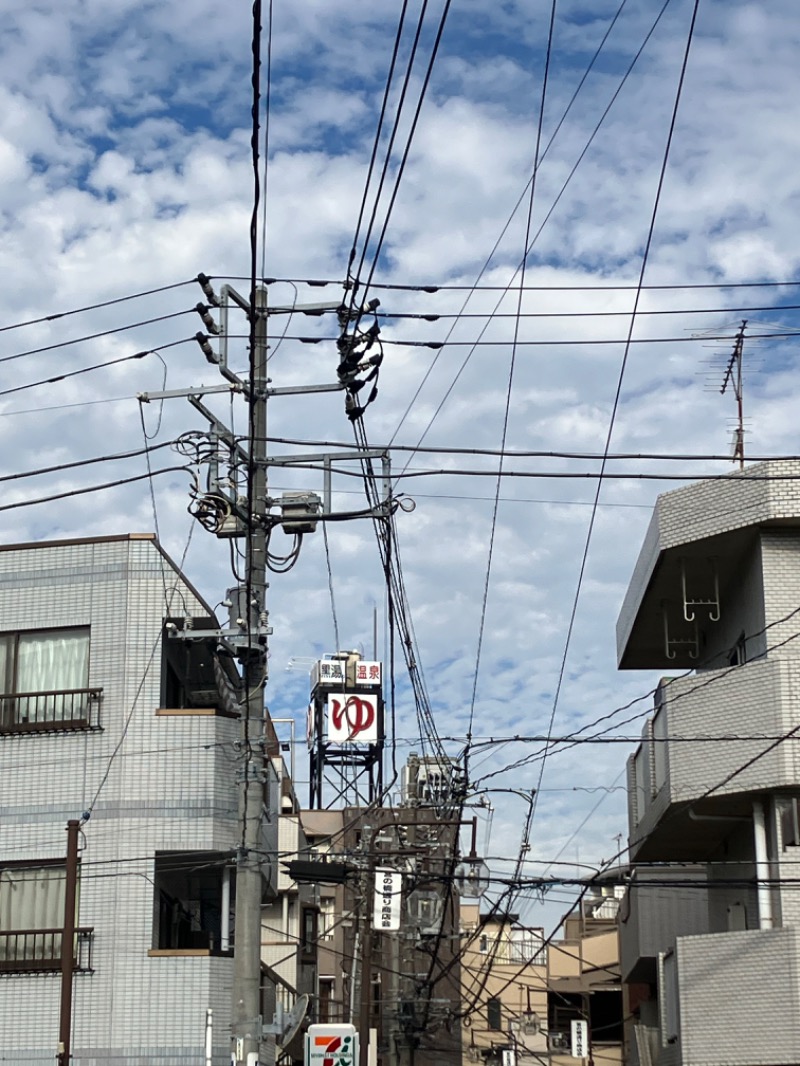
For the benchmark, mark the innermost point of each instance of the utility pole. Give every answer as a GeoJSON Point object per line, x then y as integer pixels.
{"type": "Point", "coordinates": [246, 1019]}
{"type": "Point", "coordinates": [224, 512]}
{"type": "Point", "coordinates": [365, 1013]}
{"type": "Point", "coordinates": [68, 945]}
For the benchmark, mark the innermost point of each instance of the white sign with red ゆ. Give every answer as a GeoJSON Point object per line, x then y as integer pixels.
{"type": "Point", "coordinates": [353, 719]}
{"type": "Point", "coordinates": [388, 896]}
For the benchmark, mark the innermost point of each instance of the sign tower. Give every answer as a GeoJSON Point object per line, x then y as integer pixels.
{"type": "Point", "coordinates": [345, 732]}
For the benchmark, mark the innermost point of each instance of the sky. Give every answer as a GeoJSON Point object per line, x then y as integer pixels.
{"type": "Point", "coordinates": [125, 169]}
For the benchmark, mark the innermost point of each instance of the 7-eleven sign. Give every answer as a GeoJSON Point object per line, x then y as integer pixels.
{"type": "Point", "coordinates": [331, 1045]}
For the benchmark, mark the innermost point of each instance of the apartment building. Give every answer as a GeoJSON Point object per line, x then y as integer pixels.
{"type": "Point", "coordinates": [504, 988]}
{"type": "Point", "coordinates": [710, 926]}
{"type": "Point", "coordinates": [583, 979]}
{"type": "Point", "coordinates": [521, 995]}
{"type": "Point", "coordinates": [108, 716]}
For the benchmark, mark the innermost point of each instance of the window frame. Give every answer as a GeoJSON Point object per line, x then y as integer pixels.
{"type": "Point", "coordinates": [494, 1014]}
{"type": "Point", "coordinates": [37, 710]}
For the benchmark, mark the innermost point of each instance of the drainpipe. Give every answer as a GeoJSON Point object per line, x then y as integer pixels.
{"type": "Point", "coordinates": [762, 866]}
{"type": "Point", "coordinates": [225, 924]}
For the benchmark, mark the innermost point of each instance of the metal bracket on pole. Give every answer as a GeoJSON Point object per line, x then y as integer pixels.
{"type": "Point", "coordinates": [198, 390]}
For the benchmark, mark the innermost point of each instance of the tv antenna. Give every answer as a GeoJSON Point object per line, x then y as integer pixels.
{"type": "Point", "coordinates": [733, 377]}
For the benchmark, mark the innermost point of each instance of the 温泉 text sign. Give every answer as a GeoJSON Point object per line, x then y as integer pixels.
{"type": "Point", "coordinates": [579, 1031]}
{"type": "Point", "coordinates": [352, 719]}
{"type": "Point", "coordinates": [331, 1045]}
{"type": "Point", "coordinates": [388, 896]}
{"type": "Point", "coordinates": [367, 673]}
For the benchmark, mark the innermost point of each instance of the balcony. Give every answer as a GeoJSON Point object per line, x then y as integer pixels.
{"type": "Point", "coordinates": [39, 950]}
{"type": "Point", "coordinates": [50, 712]}
{"type": "Point", "coordinates": [653, 916]}
{"type": "Point", "coordinates": [749, 706]}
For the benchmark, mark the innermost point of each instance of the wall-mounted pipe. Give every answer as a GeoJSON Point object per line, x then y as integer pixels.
{"type": "Point", "coordinates": [762, 866]}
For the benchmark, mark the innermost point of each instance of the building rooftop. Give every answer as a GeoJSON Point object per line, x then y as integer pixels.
{"type": "Point", "coordinates": [697, 538]}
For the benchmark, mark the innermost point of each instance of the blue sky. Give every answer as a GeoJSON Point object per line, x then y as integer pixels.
{"type": "Point", "coordinates": [124, 167]}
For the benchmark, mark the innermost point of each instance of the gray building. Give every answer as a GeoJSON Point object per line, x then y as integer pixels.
{"type": "Point", "coordinates": [103, 710]}
{"type": "Point", "coordinates": [710, 926]}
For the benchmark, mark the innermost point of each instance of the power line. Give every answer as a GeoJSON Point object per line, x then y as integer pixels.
{"type": "Point", "coordinates": [95, 307]}
{"type": "Point", "coordinates": [102, 333]}
{"type": "Point", "coordinates": [75, 373]}
{"type": "Point", "coordinates": [61, 467]}
{"type": "Point", "coordinates": [92, 488]}
{"type": "Point", "coordinates": [431, 288]}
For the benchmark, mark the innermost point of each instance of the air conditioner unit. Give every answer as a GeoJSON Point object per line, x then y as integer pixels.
{"type": "Point", "coordinates": [558, 1041]}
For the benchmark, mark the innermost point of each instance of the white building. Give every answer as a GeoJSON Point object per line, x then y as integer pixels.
{"type": "Point", "coordinates": [710, 927]}
{"type": "Point", "coordinates": [102, 711]}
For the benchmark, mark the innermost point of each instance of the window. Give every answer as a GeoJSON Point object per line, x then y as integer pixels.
{"type": "Point", "coordinates": [737, 656]}
{"type": "Point", "coordinates": [191, 892]}
{"type": "Point", "coordinates": [494, 1019]}
{"type": "Point", "coordinates": [327, 918]}
{"type": "Point", "coordinates": [32, 919]}
{"type": "Point", "coordinates": [326, 990]}
{"type": "Point", "coordinates": [44, 679]}
{"type": "Point", "coordinates": [483, 943]}
{"type": "Point", "coordinates": [194, 676]}
{"type": "Point", "coordinates": [308, 931]}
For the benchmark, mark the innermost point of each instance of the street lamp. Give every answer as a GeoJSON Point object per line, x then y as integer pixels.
{"type": "Point", "coordinates": [472, 874]}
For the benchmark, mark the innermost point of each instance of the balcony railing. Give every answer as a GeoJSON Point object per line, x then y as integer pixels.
{"type": "Point", "coordinates": [39, 950]}
{"type": "Point", "coordinates": [39, 712]}
{"type": "Point", "coordinates": [527, 950]}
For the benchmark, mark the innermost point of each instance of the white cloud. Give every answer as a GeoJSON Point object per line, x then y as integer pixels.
{"type": "Point", "coordinates": [125, 165]}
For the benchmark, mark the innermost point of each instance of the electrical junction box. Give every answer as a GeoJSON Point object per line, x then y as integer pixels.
{"type": "Point", "coordinates": [298, 510]}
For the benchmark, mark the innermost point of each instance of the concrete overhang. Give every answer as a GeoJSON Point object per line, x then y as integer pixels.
{"type": "Point", "coordinates": [698, 537]}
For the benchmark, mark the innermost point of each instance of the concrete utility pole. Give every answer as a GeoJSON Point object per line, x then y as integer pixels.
{"type": "Point", "coordinates": [223, 511]}
{"type": "Point", "coordinates": [368, 889]}
{"type": "Point", "coordinates": [68, 945]}
{"type": "Point", "coordinates": [246, 1020]}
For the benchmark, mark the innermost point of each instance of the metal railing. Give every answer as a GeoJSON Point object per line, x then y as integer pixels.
{"type": "Point", "coordinates": [36, 712]}
{"type": "Point", "coordinates": [527, 949]}
{"type": "Point", "coordinates": [39, 950]}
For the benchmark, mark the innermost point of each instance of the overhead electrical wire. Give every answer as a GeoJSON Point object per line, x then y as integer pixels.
{"type": "Point", "coordinates": [266, 153]}
{"type": "Point", "coordinates": [431, 288]}
{"type": "Point", "coordinates": [509, 388]}
{"type": "Point", "coordinates": [573, 342]}
{"type": "Point", "coordinates": [364, 288]}
{"type": "Point", "coordinates": [524, 840]}
{"type": "Point", "coordinates": [61, 467]}
{"type": "Point", "coordinates": [93, 488]}
{"type": "Point", "coordinates": [74, 373]}
{"type": "Point", "coordinates": [532, 453]}
{"type": "Point", "coordinates": [96, 336]}
{"type": "Point", "coordinates": [618, 390]}
{"type": "Point", "coordinates": [95, 307]}
{"type": "Point", "coordinates": [700, 682]}
{"type": "Point", "coordinates": [527, 247]}
{"type": "Point", "coordinates": [437, 316]}
{"type": "Point", "coordinates": [376, 142]}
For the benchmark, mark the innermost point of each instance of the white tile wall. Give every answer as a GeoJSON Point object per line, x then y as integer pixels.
{"type": "Point", "coordinates": [171, 786]}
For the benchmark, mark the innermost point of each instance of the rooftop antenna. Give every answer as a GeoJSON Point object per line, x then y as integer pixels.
{"type": "Point", "coordinates": [733, 377]}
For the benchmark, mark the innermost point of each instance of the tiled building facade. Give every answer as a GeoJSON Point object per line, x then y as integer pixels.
{"type": "Point", "coordinates": [709, 930]}
{"type": "Point", "coordinates": [138, 731]}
